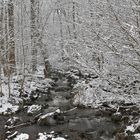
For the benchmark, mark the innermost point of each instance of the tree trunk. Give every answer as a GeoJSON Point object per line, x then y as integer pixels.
{"type": "Point", "coordinates": [35, 34]}
{"type": "Point", "coordinates": [5, 49]}
{"type": "Point", "coordinates": [1, 34]}
{"type": "Point", "coordinates": [8, 43]}
{"type": "Point", "coordinates": [74, 20]}
{"type": "Point", "coordinates": [2, 44]}
{"type": "Point", "coordinates": [11, 43]}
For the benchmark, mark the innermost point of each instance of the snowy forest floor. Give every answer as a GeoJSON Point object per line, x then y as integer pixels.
{"type": "Point", "coordinates": [70, 105]}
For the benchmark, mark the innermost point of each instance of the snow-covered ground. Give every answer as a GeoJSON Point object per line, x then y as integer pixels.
{"type": "Point", "coordinates": [6, 107]}
{"type": "Point", "coordinates": [133, 129]}
{"type": "Point", "coordinates": [94, 92]}
{"type": "Point", "coordinates": [11, 89]}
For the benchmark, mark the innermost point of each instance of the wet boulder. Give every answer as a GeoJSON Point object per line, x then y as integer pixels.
{"type": "Point", "coordinates": [59, 117]}
{"type": "Point", "coordinates": [72, 79]}
{"type": "Point", "coordinates": [107, 111]}
{"type": "Point", "coordinates": [137, 129]}
{"type": "Point", "coordinates": [116, 117]}
{"type": "Point", "coordinates": [34, 95]}
{"type": "Point", "coordinates": [125, 119]}
{"type": "Point", "coordinates": [51, 118]}
{"type": "Point", "coordinates": [44, 98]}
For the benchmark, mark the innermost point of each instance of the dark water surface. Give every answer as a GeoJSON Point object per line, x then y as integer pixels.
{"type": "Point", "coordinates": [80, 124]}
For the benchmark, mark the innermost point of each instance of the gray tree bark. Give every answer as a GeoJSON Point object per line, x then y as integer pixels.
{"type": "Point", "coordinates": [35, 35]}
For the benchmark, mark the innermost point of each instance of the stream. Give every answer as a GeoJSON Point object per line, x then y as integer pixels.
{"type": "Point", "coordinates": [80, 124]}
{"type": "Point", "coordinates": [72, 123]}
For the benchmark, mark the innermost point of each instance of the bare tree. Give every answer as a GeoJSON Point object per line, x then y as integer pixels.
{"type": "Point", "coordinates": [35, 34]}
{"type": "Point", "coordinates": [11, 43]}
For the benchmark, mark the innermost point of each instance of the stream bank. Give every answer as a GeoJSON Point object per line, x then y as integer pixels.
{"type": "Point", "coordinates": [49, 110]}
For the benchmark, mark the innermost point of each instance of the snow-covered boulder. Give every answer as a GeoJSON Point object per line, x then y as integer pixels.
{"type": "Point", "coordinates": [116, 117]}
{"type": "Point", "coordinates": [34, 109]}
{"type": "Point", "coordinates": [18, 136]}
{"type": "Point", "coordinates": [84, 94]}
{"type": "Point", "coordinates": [22, 136]}
{"type": "Point", "coordinates": [52, 135]}
{"type": "Point", "coordinates": [137, 136]}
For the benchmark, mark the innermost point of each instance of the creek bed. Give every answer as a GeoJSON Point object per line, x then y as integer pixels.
{"type": "Point", "coordinates": [81, 124]}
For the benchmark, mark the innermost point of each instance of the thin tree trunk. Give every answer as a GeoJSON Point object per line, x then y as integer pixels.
{"type": "Point", "coordinates": [35, 35]}
{"type": "Point", "coordinates": [5, 57]}
{"type": "Point", "coordinates": [1, 34]}
{"type": "Point", "coordinates": [11, 43]}
{"type": "Point", "coordinates": [2, 44]}
{"type": "Point", "coordinates": [74, 20]}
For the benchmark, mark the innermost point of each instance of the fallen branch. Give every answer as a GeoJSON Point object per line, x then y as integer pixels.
{"type": "Point", "coordinates": [13, 135]}
{"type": "Point", "coordinates": [19, 125]}
{"type": "Point", "coordinates": [70, 110]}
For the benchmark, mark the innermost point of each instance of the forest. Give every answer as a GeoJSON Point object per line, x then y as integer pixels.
{"type": "Point", "coordinates": [69, 69]}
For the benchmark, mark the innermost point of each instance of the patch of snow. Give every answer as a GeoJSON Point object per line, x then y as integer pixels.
{"type": "Point", "coordinates": [34, 108]}
{"type": "Point", "coordinates": [86, 94]}
{"type": "Point", "coordinates": [22, 136]}
{"type": "Point", "coordinates": [40, 72]}
{"type": "Point", "coordinates": [33, 86]}
{"type": "Point", "coordinates": [137, 136]}
{"type": "Point", "coordinates": [133, 127]}
{"type": "Point", "coordinates": [6, 107]}
{"type": "Point", "coordinates": [58, 111]}
{"type": "Point", "coordinates": [44, 136]}
{"type": "Point", "coordinates": [130, 128]}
